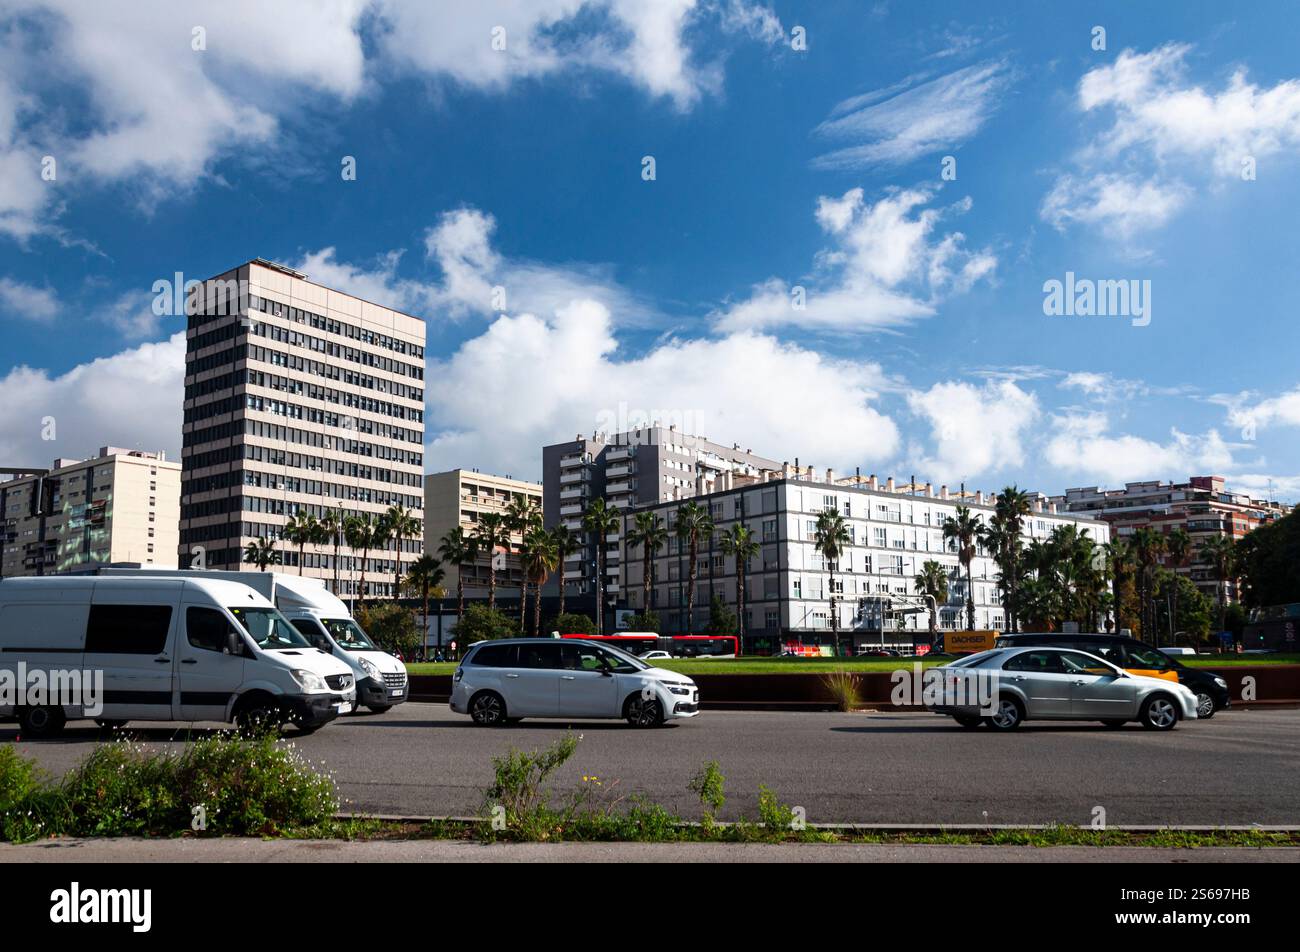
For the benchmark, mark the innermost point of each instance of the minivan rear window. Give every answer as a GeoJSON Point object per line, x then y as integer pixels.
{"type": "Point", "coordinates": [494, 656]}
{"type": "Point", "coordinates": [128, 629]}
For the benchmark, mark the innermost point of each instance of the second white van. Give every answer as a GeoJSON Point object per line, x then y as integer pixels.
{"type": "Point", "coordinates": [161, 649]}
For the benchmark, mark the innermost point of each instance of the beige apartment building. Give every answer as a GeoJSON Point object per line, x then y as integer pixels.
{"type": "Point", "coordinates": [298, 397]}
{"type": "Point", "coordinates": [458, 498]}
{"type": "Point", "coordinates": [121, 506]}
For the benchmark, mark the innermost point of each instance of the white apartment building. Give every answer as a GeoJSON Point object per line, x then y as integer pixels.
{"type": "Point", "coordinates": [298, 397]}
{"type": "Point", "coordinates": [119, 506]}
{"type": "Point", "coordinates": [894, 530]}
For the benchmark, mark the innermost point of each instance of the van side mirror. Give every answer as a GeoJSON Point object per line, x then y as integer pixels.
{"type": "Point", "coordinates": [234, 644]}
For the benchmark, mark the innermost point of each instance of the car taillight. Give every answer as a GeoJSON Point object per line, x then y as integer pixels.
{"type": "Point", "coordinates": [458, 674]}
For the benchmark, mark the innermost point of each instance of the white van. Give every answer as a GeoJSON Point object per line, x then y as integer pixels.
{"type": "Point", "coordinates": [162, 649]}
{"type": "Point", "coordinates": [323, 619]}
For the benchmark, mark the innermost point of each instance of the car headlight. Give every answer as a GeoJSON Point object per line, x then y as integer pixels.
{"type": "Point", "coordinates": [309, 681]}
{"type": "Point", "coordinates": [681, 689]}
{"type": "Point", "coordinates": [369, 668]}
{"type": "Point", "coordinates": [1220, 682]}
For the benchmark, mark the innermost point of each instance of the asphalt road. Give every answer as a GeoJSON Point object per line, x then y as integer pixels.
{"type": "Point", "coordinates": [420, 759]}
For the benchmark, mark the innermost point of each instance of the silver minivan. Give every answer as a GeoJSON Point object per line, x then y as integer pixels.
{"type": "Point", "coordinates": [501, 682]}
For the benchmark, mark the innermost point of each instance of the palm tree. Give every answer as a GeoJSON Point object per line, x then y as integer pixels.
{"type": "Point", "coordinates": [1219, 553]}
{"type": "Point", "coordinates": [522, 516]}
{"type": "Point", "coordinates": [261, 553]}
{"type": "Point", "coordinates": [458, 549]}
{"type": "Point", "coordinates": [600, 522]}
{"type": "Point", "coordinates": [491, 533]}
{"type": "Point", "coordinates": [565, 542]}
{"type": "Point", "coordinates": [331, 526]}
{"type": "Point", "coordinates": [1010, 508]}
{"type": "Point", "coordinates": [1179, 545]}
{"type": "Point", "coordinates": [1147, 546]}
{"type": "Point", "coordinates": [1003, 543]}
{"type": "Point", "coordinates": [651, 534]}
{"type": "Point", "coordinates": [1119, 563]}
{"type": "Point", "coordinates": [965, 529]}
{"type": "Point", "coordinates": [693, 524]}
{"type": "Point", "coordinates": [364, 532]}
{"type": "Point", "coordinates": [932, 580]}
{"type": "Point", "coordinates": [425, 573]}
{"type": "Point", "coordinates": [830, 539]}
{"type": "Point", "coordinates": [301, 528]}
{"type": "Point", "coordinates": [401, 525]}
{"type": "Point", "coordinates": [538, 558]}
{"type": "Point", "coordinates": [740, 542]}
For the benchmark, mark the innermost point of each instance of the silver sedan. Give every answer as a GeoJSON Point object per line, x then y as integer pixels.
{"type": "Point", "coordinates": [1004, 687]}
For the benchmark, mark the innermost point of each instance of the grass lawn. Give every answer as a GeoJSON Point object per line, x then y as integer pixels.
{"type": "Point", "coordinates": [758, 665]}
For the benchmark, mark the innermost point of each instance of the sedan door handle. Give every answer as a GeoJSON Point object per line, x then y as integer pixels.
{"type": "Point", "coordinates": [163, 660]}
{"type": "Point", "coordinates": [566, 677]}
{"type": "Point", "coordinates": [512, 675]}
{"type": "Point", "coordinates": [188, 661]}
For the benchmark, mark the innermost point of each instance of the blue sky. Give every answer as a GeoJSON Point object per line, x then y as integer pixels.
{"type": "Point", "coordinates": [922, 346]}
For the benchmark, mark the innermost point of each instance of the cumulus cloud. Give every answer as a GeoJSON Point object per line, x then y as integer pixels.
{"type": "Point", "coordinates": [976, 430]}
{"type": "Point", "coordinates": [1168, 133]}
{"type": "Point", "coordinates": [894, 126]}
{"type": "Point", "coordinates": [885, 267]}
{"type": "Point", "coordinates": [1281, 410]}
{"type": "Point", "coordinates": [1082, 444]}
{"type": "Point", "coordinates": [132, 399]}
{"type": "Point", "coordinates": [772, 397]}
{"type": "Point", "coordinates": [475, 278]}
{"type": "Point", "coordinates": [160, 114]}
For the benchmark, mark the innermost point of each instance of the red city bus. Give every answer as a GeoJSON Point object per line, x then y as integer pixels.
{"type": "Point", "coordinates": [679, 646]}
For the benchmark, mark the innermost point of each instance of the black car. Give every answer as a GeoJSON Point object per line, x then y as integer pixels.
{"type": "Point", "coordinates": [1210, 689]}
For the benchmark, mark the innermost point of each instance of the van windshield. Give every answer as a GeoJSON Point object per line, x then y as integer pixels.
{"type": "Point", "coordinates": [269, 629]}
{"type": "Point", "coordinates": [348, 634]}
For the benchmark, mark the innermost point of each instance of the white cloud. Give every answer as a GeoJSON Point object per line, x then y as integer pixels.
{"type": "Point", "coordinates": [1120, 206]}
{"type": "Point", "coordinates": [1082, 444]}
{"type": "Point", "coordinates": [1155, 106]}
{"type": "Point", "coordinates": [644, 42]}
{"type": "Point", "coordinates": [460, 244]}
{"type": "Point", "coordinates": [976, 430]}
{"type": "Point", "coordinates": [27, 301]}
{"type": "Point", "coordinates": [131, 399]}
{"type": "Point", "coordinates": [883, 269]}
{"type": "Point", "coordinates": [1282, 410]}
{"type": "Point", "coordinates": [935, 115]}
{"type": "Point", "coordinates": [160, 114]}
{"type": "Point", "coordinates": [1167, 132]}
{"type": "Point", "coordinates": [774, 398]}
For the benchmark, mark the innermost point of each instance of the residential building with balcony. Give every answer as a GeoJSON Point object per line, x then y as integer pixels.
{"type": "Point", "coordinates": [1203, 506]}
{"type": "Point", "coordinates": [631, 470]}
{"type": "Point", "coordinates": [894, 530]}
{"type": "Point", "coordinates": [458, 498]}
{"type": "Point", "coordinates": [120, 506]}
{"type": "Point", "coordinates": [298, 397]}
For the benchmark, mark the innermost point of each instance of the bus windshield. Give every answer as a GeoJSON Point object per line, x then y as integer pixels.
{"type": "Point", "coordinates": [348, 634]}
{"type": "Point", "coordinates": [269, 629]}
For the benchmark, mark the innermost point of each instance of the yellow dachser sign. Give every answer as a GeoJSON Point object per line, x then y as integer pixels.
{"type": "Point", "coordinates": [968, 642]}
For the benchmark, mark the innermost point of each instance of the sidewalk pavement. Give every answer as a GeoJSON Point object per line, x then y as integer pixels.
{"type": "Point", "coordinates": [246, 850]}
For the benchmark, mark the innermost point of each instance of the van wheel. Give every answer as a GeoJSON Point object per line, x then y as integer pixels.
{"type": "Point", "coordinates": [643, 713]}
{"type": "Point", "coordinates": [1008, 715]}
{"type": "Point", "coordinates": [487, 709]}
{"type": "Point", "coordinates": [259, 718]}
{"type": "Point", "coordinates": [42, 721]}
{"type": "Point", "coordinates": [1159, 713]}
